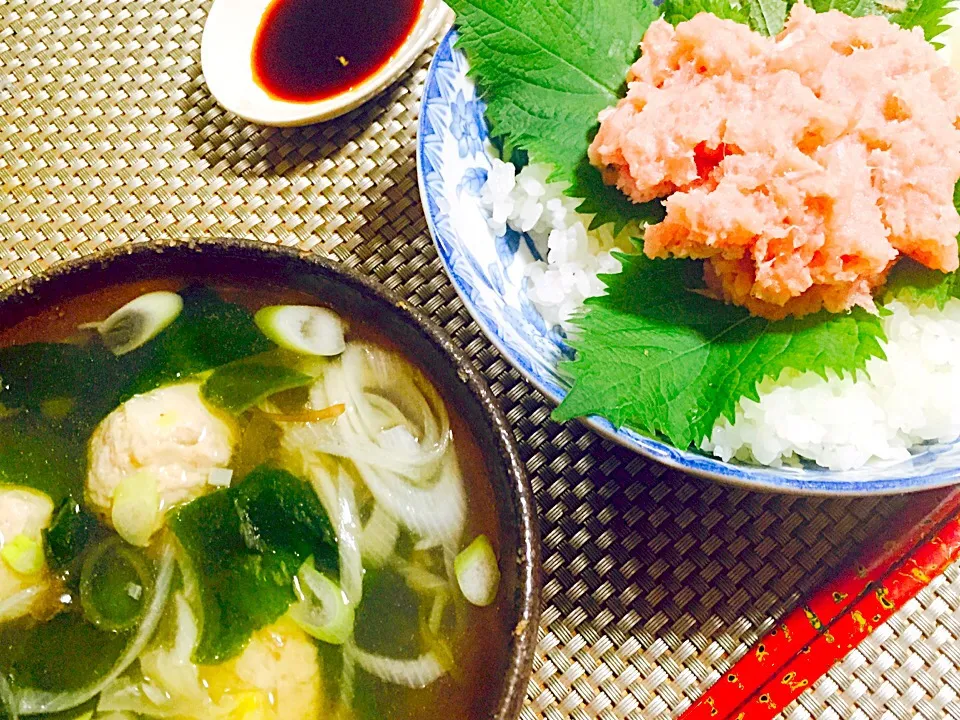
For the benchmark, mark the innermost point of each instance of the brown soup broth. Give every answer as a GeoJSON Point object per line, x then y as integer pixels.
{"type": "Point", "coordinates": [480, 638]}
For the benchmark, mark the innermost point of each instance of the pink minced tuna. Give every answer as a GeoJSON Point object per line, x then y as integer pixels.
{"type": "Point", "coordinates": [800, 166]}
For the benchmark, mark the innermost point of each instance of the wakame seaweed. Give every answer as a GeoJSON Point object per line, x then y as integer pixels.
{"type": "Point", "coordinates": [70, 531]}
{"type": "Point", "coordinates": [41, 454]}
{"type": "Point", "coordinates": [209, 332]}
{"type": "Point", "coordinates": [62, 654]}
{"type": "Point", "coordinates": [37, 372]}
{"type": "Point", "coordinates": [239, 386]}
{"type": "Point", "coordinates": [243, 547]}
{"type": "Point", "coordinates": [74, 386]}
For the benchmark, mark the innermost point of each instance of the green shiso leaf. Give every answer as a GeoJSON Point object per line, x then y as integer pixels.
{"type": "Point", "coordinates": [767, 16]}
{"type": "Point", "coordinates": [853, 8]}
{"type": "Point", "coordinates": [239, 386]}
{"type": "Point", "coordinates": [909, 280]}
{"type": "Point", "coordinates": [677, 11]}
{"type": "Point", "coordinates": [243, 545]}
{"type": "Point", "coordinates": [658, 356]}
{"type": "Point", "coordinates": [545, 70]}
{"type": "Point", "coordinates": [927, 14]}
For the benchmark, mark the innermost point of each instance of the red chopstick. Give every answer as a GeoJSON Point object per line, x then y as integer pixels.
{"type": "Point", "coordinates": [800, 627]}
{"type": "Point", "coordinates": [927, 561]}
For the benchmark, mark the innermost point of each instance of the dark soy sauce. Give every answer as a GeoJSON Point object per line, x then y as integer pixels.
{"type": "Point", "coordinates": [310, 50]}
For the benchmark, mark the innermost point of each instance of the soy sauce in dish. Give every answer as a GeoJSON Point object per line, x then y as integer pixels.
{"type": "Point", "coordinates": [310, 50]}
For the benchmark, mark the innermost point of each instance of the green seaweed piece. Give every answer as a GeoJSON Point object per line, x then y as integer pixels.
{"type": "Point", "coordinates": [210, 332]}
{"type": "Point", "coordinates": [71, 531]}
{"type": "Point", "coordinates": [42, 455]}
{"type": "Point", "coordinates": [243, 546]}
{"type": "Point", "coordinates": [239, 386]}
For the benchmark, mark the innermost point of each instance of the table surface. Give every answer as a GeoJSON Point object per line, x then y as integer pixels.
{"type": "Point", "coordinates": [653, 581]}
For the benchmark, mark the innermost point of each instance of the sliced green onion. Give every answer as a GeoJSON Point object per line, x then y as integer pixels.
{"type": "Point", "coordinates": [136, 508]}
{"type": "Point", "coordinates": [139, 321]}
{"type": "Point", "coordinates": [477, 573]}
{"type": "Point", "coordinates": [324, 612]}
{"type": "Point", "coordinates": [108, 573]}
{"type": "Point", "coordinates": [23, 554]}
{"type": "Point", "coordinates": [304, 329]}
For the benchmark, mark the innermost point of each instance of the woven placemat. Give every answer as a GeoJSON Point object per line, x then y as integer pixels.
{"type": "Point", "coordinates": [653, 581]}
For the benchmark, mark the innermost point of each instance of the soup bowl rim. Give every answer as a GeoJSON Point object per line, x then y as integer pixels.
{"type": "Point", "coordinates": [41, 289]}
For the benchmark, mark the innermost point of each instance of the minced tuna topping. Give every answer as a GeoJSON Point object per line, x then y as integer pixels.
{"type": "Point", "coordinates": [802, 166]}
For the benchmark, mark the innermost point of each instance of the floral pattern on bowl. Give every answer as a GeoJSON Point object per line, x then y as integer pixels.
{"type": "Point", "coordinates": [453, 158]}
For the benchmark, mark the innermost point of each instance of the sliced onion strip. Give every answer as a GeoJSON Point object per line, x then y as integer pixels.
{"type": "Point", "coordinates": [416, 673]}
{"type": "Point", "coordinates": [348, 539]}
{"type": "Point", "coordinates": [15, 605]}
{"type": "Point", "coordinates": [437, 512]}
{"type": "Point", "coordinates": [380, 392]}
{"type": "Point", "coordinates": [379, 536]}
{"type": "Point", "coordinates": [8, 701]}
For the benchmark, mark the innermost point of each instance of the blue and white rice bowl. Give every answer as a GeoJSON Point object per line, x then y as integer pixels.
{"type": "Point", "coordinates": [489, 272]}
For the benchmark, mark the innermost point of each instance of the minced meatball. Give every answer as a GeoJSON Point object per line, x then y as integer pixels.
{"type": "Point", "coordinates": [277, 677]}
{"type": "Point", "coordinates": [170, 433]}
{"type": "Point", "coordinates": [800, 167]}
{"type": "Point", "coordinates": [22, 512]}
{"type": "Point", "coordinates": [280, 667]}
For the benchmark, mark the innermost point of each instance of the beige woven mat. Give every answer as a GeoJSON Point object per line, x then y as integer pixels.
{"type": "Point", "coordinates": [652, 580]}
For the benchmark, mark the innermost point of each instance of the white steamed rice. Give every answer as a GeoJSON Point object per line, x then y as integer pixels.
{"type": "Point", "coordinates": [908, 399]}
{"type": "Point", "coordinates": [903, 401]}
{"type": "Point", "coordinates": [526, 202]}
